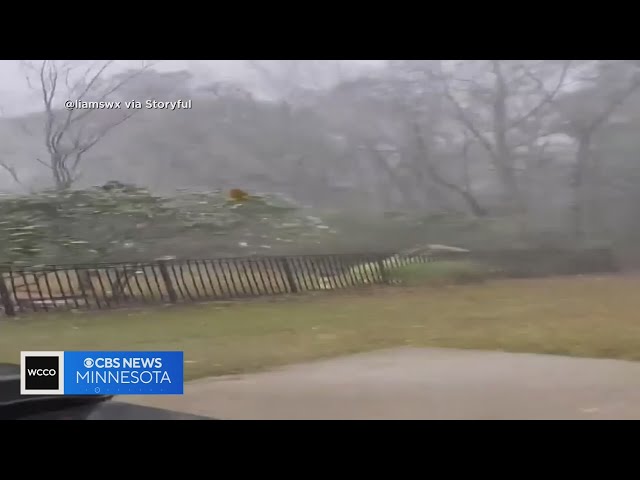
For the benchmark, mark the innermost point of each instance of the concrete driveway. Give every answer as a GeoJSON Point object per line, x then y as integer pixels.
{"type": "Point", "coordinates": [412, 383]}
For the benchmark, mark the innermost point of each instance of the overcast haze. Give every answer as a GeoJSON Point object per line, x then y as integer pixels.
{"type": "Point", "coordinates": [545, 148]}
{"type": "Point", "coordinates": [16, 97]}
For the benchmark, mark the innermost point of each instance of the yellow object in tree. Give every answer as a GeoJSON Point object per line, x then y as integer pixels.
{"type": "Point", "coordinates": [238, 195]}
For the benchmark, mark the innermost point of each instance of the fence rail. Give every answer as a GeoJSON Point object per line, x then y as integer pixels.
{"type": "Point", "coordinates": [107, 286]}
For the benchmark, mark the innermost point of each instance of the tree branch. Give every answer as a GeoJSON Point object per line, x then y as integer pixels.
{"type": "Point", "coordinates": [47, 99]}
{"type": "Point", "coordinates": [58, 125]}
{"type": "Point", "coordinates": [548, 97]}
{"type": "Point", "coordinates": [12, 171]}
{"type": "Point", "coordinates": [467, 122]}
{"type": "Point", "coordinates": [438, 178]}
{"type": "Point", "coordinates": [614, 103]}
{"type": "Point", "coordinates": [44, 163]}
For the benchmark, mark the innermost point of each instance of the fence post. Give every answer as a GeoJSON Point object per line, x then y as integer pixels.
{"type": "Point", "coordinates": [286, 268]}
{"type": "Point", "coordinates": [166, 278]}
{"type": "Point", "coordinates": [384, 277]}
{"type": "Point", "coordinates": [5, 297]}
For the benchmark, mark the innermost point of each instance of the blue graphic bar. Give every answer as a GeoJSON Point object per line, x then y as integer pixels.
{"type": "Point", "coordinates": [123, 373]}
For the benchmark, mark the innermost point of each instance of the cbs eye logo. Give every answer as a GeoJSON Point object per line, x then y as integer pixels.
{"type": "Point", "coordinates": [101, 362]}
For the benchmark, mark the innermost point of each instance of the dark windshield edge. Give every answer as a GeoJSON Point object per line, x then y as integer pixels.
{"type": "Point", "coordinates": [25, 406]}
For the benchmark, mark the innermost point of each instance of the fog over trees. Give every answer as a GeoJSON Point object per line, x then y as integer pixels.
{"type": "Point", "coordinates": [477, 153]}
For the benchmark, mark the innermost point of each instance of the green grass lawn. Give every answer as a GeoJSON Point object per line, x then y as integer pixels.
{"type": "Point", "coordinates": [583, 316]}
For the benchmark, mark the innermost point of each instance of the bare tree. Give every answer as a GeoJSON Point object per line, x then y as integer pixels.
{"type": "Point", "coordinates": [389, 123]}
{"type": "Point", "coordinates": [606, 85]}
{"type": "Point", "coordinates": [71, 130]}
{"type": "Point", "coordinates": [496, 102]}
{"type": "Point", "coordinates": [420, 114]}
{"type": "Point", "coordinates": [7, 166]}
{"type": "Point", "coordinates": [425, 158]}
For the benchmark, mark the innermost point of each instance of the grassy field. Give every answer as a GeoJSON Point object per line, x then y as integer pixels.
{"type": "Point", "coordinates": [583, 316]}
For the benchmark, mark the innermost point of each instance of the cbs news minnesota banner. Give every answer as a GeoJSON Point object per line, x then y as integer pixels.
{"type": "Point", "coordinates": [101, 373]}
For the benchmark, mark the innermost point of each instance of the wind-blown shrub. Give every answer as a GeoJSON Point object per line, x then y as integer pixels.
{"type": "Point", "coordinates": [117, 222]}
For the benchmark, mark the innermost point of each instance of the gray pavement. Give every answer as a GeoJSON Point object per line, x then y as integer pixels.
{"type": "Point", "coordinates": [413, 383]}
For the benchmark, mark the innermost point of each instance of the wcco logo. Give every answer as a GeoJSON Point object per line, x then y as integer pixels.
{"type": "Point", "coordinates": [41, 373]}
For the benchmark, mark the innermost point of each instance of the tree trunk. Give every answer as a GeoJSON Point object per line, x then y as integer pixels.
{"type": "Point", "coordinates": [397, 183]}
{"type": "Point", "coordinates": [502, 155]}
{"type": "Point", "coordinates": [477, 209]}
{"type": "Point", "coordinates": [577, 186]}
{"type": "Point", "coordinates": [423, 159]}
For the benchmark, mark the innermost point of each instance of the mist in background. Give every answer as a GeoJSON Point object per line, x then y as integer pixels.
{"type": "Point", "coordinates": [16, 97]}
{"type": "Point", "coordinates": [382, 154]}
